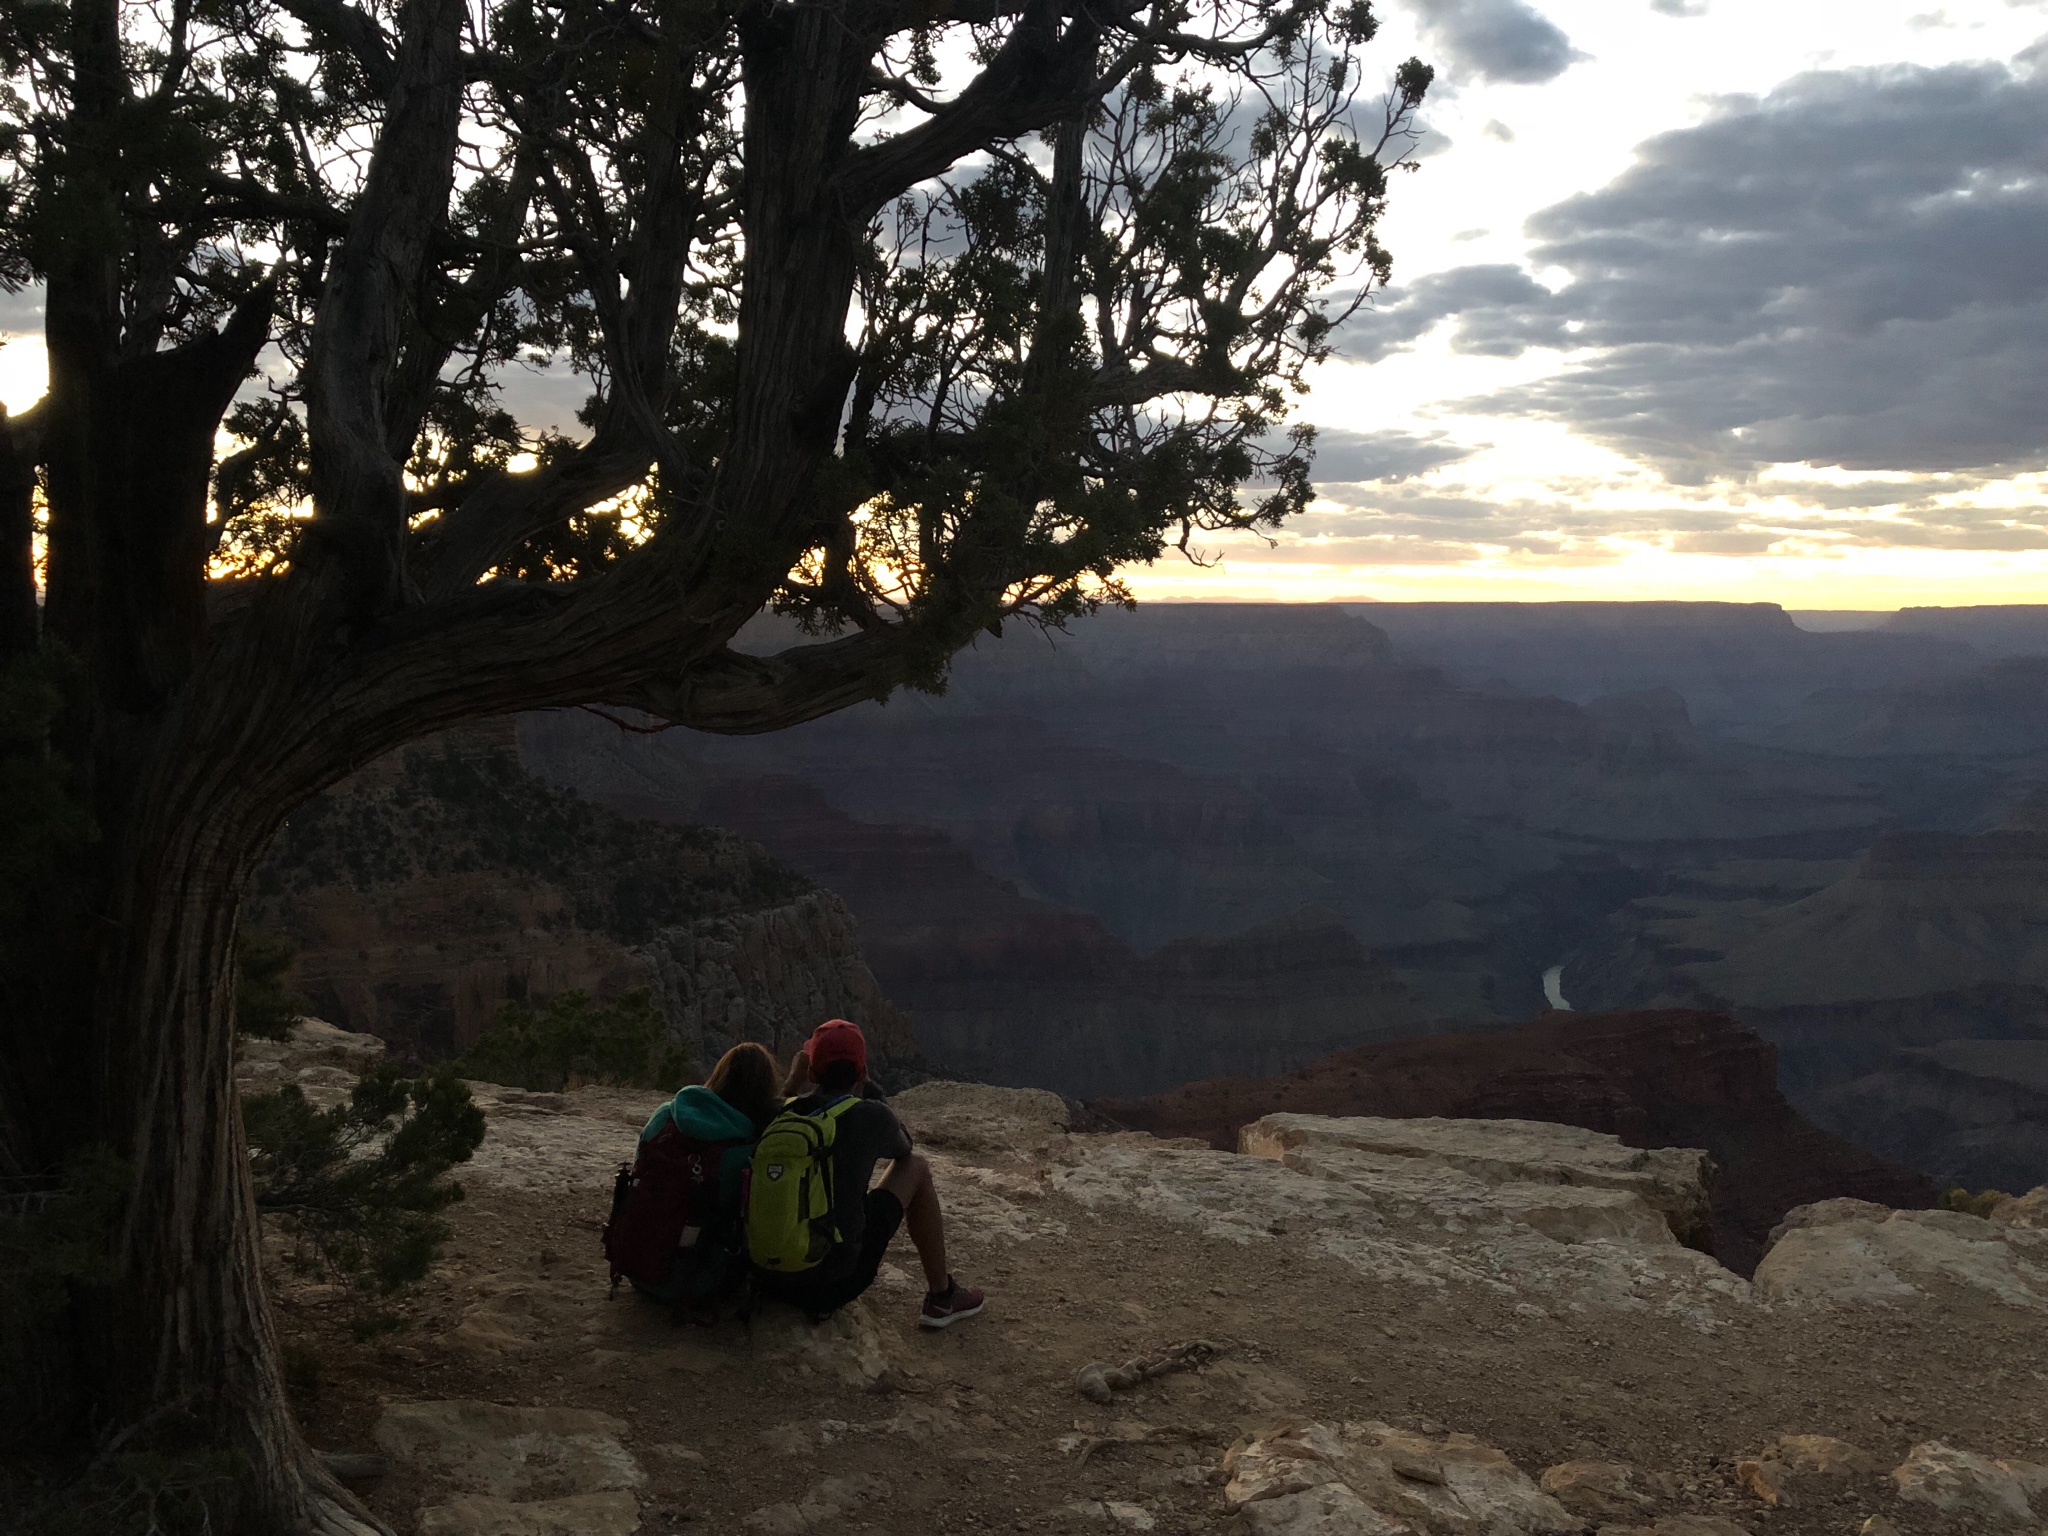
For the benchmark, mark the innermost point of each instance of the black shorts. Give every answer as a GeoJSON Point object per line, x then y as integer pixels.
{"type": "Point", "coordinates": [824, 1290]}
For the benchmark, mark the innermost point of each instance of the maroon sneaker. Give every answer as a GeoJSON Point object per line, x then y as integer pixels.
{"type": "Point", "coordinates": [949, 1306]}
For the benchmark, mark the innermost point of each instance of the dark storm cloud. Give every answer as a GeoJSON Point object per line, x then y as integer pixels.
{"type": "Point", "coordinates": [22, 312]}
{"type": "Point", "coordinates": [1346, 456]}
{"type": "Point", "coordinates": [1849, 272]}
{"type": "Point", "coordinates": [1501, 310]}
{"type": "Point", "coordinates": [1495, 40]}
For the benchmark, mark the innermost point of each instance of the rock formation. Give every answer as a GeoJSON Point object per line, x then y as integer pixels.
{"type": "Point", "coordinates": [1392, 1345]}
{"type": "Point", "coordinates": [1671, 1078]}
{"type": "Point", "coordinates": [1375, 1480]}
{"type": "Point", "coordinates": [1859, 1251]}
{"type": "Point", "coordinates": [1999, 710]}
{"type": "Point", "coordinates": [1188, 773]}
{"type": "Point", "coordinates": [1006, 988]}
{"type": "Point", "coordinates": [440, 882]}
{"type": "Point", "coordinates": [1908, 993]}
{"type": "Point", "coordinates": [1570, 1184]}
{"type": "Point", "coordinates": [1734, 662]}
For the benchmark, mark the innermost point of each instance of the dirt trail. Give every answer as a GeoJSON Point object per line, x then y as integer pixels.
{"type": "Point", "coordinates": [868, 1424]}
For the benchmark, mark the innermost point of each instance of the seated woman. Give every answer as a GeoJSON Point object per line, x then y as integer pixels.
{"type": "Point", "coordinates": [719, 1120]}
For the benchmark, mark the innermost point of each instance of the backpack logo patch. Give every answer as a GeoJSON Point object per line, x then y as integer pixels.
{"type": "Point", "coordinates": [775, 1170]}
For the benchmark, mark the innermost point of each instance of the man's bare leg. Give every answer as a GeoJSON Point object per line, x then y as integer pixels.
{"type": "Point", "coordinates": [909, 1179]}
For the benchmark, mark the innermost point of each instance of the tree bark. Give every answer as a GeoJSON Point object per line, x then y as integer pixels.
{"type": "Point", "coordinates": [19, 623]}
{"type": "Point", "coordinates": [183, 1339]}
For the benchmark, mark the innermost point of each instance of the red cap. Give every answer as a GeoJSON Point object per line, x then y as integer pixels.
{"type": "Point", "coordinates": [837, 1040]}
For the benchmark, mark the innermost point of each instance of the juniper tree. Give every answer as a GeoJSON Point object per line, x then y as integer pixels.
{"type": "Point", "coordinates": [907, 320]}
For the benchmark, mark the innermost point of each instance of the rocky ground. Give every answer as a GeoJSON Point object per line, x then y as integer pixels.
{"type": "Point", "coordinates": [1446, 1328]}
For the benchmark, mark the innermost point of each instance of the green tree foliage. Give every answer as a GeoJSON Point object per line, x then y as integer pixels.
{"type": "Point", "coordinates": [264, 1006]}
{"type": "Point", "coordinates": [363, 1184]}
{"type": "Point", "coordinates": [457, 811]}
{"type": "Point", "coordinates": [573, 1041]}
{"type": "Point", "coordinates": [1957, 1198]}
{"type": "Point", "coordinates": [912, 322]}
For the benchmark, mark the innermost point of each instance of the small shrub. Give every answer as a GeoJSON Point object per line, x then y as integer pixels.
{"type": "Point", "coordinates": [573, 1040]}
{"type": "Point", "coordinates": [362, 1185]}
{"type": "Point", "coordinates": [264, 1006]}
{"type": "Point", "coordinates": [1960, 1199]}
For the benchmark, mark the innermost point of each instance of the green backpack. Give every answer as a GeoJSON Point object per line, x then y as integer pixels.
{"type": "Point", "coordinates": [790, 1225]}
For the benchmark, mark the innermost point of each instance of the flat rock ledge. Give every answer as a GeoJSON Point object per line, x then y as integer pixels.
{"type": "Point", "coordinates": [1591, 1184]}
{"type": "Point", "coordinates": [1854, 1251]}
{"type": "Point", "coordinates": [516, 1471]}
{"type": "Point", "coordinates": [1371, 1479]}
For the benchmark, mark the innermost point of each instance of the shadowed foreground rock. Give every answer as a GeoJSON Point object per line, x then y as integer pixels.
{"type": "Point", "coordinates": [1410, 1328]}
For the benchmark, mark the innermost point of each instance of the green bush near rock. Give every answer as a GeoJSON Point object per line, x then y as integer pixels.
{"type": "Point", "coordinates": [573, 1041]}
{"type": "Point", "coordinates": [361, 1186]}
{"type": "Point", "coordinates": [264, 1006]}
{"type": "Point", "coordinates": [1960, 1199]}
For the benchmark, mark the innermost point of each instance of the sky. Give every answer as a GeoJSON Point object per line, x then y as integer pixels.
{"type": "Point", "coordinates": [1736, 299]}
{"type": "Point", "coordinates": [1733, 299]}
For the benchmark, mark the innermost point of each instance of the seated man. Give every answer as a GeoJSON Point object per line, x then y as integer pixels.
{"type": "Point", "coordinates": [833, 1066]}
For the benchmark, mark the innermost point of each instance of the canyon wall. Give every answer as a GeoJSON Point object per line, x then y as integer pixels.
{"type": "Point", "coordinates": [1192, 771]}
{"type": "Point", "coordinates": [1876, 979]}
{"type": "Point", "coordinates": [443, 881]}
{"type": "Point", "coordinates": [1007, 988]}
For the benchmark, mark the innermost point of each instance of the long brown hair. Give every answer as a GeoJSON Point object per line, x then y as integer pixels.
{"type": "Point", "coordinates": [747, 1078]}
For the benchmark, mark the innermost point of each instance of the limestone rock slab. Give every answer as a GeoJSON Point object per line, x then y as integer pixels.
{"type": "Point", "coordinates": [517, 1454]}
{"type": "Point", "coordinates": [1410, 1220]}
{"type": "Point", "coordinates": [1673, 1181]}
{"type": "Point", "coordinates": [1328, 1510]}
{"type": "Point", "coordinates": [583, 1514]}
{"type": "Point", "coordinates": [1604, 1492]}
{"type": "Point", "coordinates": [825, 1506]}
{"type": "Point", "coordinates": [976, 1118]}
{"type": "Point", "coordinates": [1956, 1482]}
{"type": "Point", "coordinates": [1317, 1478]}
{"type": "Point", "coordinates": [1791, 1464]}
{"type": "Point", "coordinates": [319, 1059]}
{"type": "Point", "coordinates": [2028, 1210]}
{"type": "Point", "coordinates": [1852, 1253]}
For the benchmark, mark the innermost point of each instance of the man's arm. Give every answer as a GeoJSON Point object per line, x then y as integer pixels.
{"type": "Point", "coordinates": [897, 1144]}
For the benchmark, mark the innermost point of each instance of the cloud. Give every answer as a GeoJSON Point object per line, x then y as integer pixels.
{"type": "Point", "coordinates": [21, 312]}
{"type": "Point", "coordinates": [1352, 457]}
{"type": "Point", "coordinates": [1496, 40]}
{"type": "Point", "coordinates": [545, 397]}
{"type": "Point", "coordinates": [1500, 307]}
{"type": "Point", "coordinates": [1845, 272]}
{"type": "Point", "coordinates": [1679, 7]}
{"type": "Point", "coordinates": [1727, 541]}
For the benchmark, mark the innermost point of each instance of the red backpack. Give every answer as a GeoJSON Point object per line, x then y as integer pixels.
{"type": "Point", "coordinates": [670, 1188]}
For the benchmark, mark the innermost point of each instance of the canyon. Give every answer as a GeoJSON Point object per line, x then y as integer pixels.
{"type": "Point", "coordinates": [442, 882]}
{"type": "Point", "coordinates": [1200, 841]}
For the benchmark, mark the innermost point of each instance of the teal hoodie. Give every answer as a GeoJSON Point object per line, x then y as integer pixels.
{"type": "Point", "coordinates": [697, 1112]}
